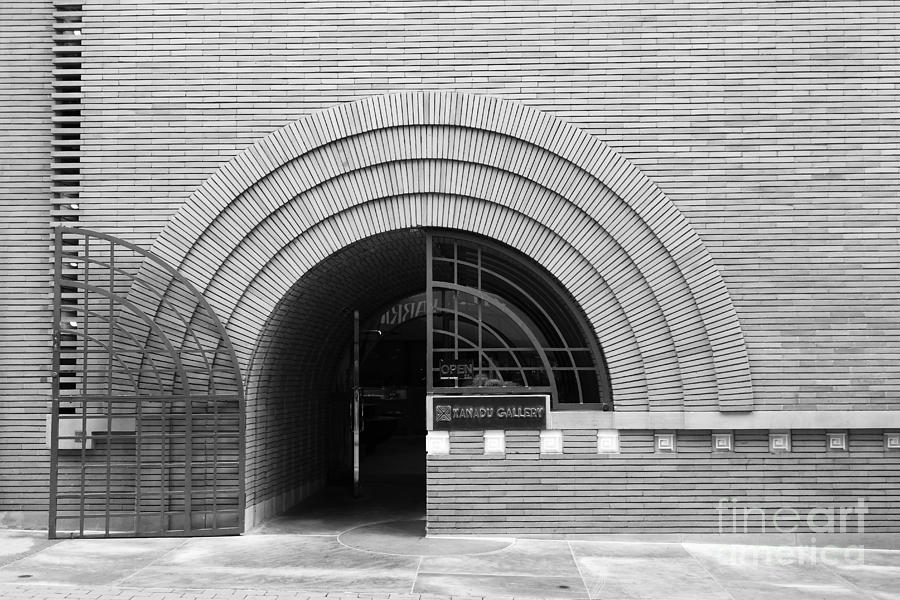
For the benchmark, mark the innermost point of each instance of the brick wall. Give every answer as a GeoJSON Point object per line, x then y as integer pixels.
{"type": "Point", "coordinates": [771, 125]}
{"type": "Point", "coordinates": [639, 490]}
{"type": "Point", "coordinates": [25, 305]}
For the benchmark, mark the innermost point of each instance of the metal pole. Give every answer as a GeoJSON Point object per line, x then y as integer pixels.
{"type": "Point", "coordinates": [429, 318]}
{"type": "Point", "coordinates": [54, 403]}
{"type": "Point", "coordinates": [357, 404]}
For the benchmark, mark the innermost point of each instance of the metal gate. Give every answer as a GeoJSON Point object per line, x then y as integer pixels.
{"type": "Point", "coordinates": [147, 420]}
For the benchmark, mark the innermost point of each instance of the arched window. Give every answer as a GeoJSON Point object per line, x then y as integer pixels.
{"type": "Point", "coordinates": [501, 323]}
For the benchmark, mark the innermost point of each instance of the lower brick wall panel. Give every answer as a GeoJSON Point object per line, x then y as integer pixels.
{"type": "Point", "coordinates": [582, 492]}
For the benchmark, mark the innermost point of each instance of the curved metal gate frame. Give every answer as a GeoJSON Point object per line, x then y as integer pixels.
{"type": "Point", "coordinates": [147, 422]}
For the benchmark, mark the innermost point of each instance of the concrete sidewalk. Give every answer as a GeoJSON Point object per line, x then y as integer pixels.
{"type": "Point", "coordinates": [394, 561]}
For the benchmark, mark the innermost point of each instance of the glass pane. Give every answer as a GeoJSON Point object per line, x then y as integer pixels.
{"type": "Point", "coordinates": [539, 324]}
{"type": "Point", "coordinates": [468, 333]}
{"type": "Point", "coordinates": [468, 304]}
{"type": "Point", "coordinates": [552, 301]}
{"type": "Point", "coordinates": [442, 247]}
{"type": "Point", "coordinates": [442, 271]}
{"type": "Point", "coordinates": [489, 339]}
{"type": "Point", "coordinates": [467, 276]}
{"type": "Point", "coordinates": [504, 326]}
{"type": "Point", "coordinates": [467, 253]}
{"type": "Point", "coordinates": [590, 387]}
{"type": "Point", "coordinates": [560, 359]}
{"type": "Point", "coordinates": [443, 340]}
{"type": "Point", "coordinates": [583, 358]}
{"type": "Point", "coordinates": [567, 387]}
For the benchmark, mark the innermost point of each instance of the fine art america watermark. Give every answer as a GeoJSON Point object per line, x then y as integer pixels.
{"type": "Point", "coordinates": [737, 518]}
{"type": "Point", "coordinates": [764, 552]}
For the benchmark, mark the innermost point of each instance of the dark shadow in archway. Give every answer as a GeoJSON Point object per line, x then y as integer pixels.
{"type": "Point", "coordinates": [299, 460]}
{"type": "Point", "coordinates": [393, 437]}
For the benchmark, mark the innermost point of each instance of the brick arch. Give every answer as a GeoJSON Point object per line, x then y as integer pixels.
{"type": "Point", "coordinates": [267, 290]}
{"type": "Point", "coordinates": [644, 277]}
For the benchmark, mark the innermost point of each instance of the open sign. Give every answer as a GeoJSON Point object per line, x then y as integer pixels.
{"type": "Point", "coordinates": [456, 369]}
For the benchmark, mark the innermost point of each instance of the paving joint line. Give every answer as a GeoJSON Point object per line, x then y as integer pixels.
{"type": "Point", "coordinates": [580, 572]}
{"type": "Point", "coordinates": [156, 560]}
{"type": "Point", "coordinates": [847, 581]}
{"type": "Point", "coordinates": [30, 553]}
{"type": "Point", "coordinates": [412, 589]}
{"type": "Point", "coordinates": [708, 572]}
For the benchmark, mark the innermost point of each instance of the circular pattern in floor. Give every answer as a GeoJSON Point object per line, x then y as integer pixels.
{"type": "Point", "coordinates": [407, 538]}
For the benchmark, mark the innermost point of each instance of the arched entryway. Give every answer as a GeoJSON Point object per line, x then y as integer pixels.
{"type": "Point", "coordinates": [630, 261]}
{"type": "Point", "coordinates": [498, 324]}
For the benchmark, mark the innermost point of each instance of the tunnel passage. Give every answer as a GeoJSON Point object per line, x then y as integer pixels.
{"type": "Point", "coordinates": [299, 380]}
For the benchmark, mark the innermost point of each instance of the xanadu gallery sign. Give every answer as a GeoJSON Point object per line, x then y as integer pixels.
{"type": "Point", "coordinates": [489, 412]}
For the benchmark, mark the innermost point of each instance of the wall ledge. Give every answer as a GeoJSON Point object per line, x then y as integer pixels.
{"type": "Point", "coordinates": [712, 420]}
{"type": "Point", "coordinates": [820, 541]}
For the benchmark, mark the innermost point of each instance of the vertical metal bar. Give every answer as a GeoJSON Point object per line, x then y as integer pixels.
{"type": "Point", "coordinates": [242, 437]}
{"type": "Point", "coordinates": [138, 442]}
{"type": "Point", "coordinates": [429, 319]}
{"type": "Point", "coordinates": [109, 366]}
{"type": "Point", "coordinates": [215, 460]}
{"type": "Point", "coordinates": [188, 453]}
{"type": "Point", "coordinates": [54, 402]}
{"type": "Point", "coordinates": [357, 404]}
{"type": "Point", "coordinates": [84, 379]}
{"type": "Point", "coordinates": [456, 309]}
{"type": "Point", "coordinates": [163, 449]}
{"type": "Point", "coordinates": [480, 326]}
{"type": "Point", "coordinates": [111, 317]}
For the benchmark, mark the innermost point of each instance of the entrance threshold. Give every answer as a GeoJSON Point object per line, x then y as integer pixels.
{"type": "Point", "coordinates": [393, 490]}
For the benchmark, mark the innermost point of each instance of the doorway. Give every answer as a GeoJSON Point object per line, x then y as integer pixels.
{"type": "Point", "coordinates": [387, 424]}
{"type": "Point", "coordinates": [392, 380]}
{"type": "Point", "coordinates": [439, 314]}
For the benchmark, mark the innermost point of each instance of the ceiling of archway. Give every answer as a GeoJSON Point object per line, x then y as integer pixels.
{"type": "Point", "coordinates": [313, 321]}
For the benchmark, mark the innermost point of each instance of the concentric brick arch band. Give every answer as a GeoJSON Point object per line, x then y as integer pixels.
{"type": "Point", "coordinates": [650, 289]}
